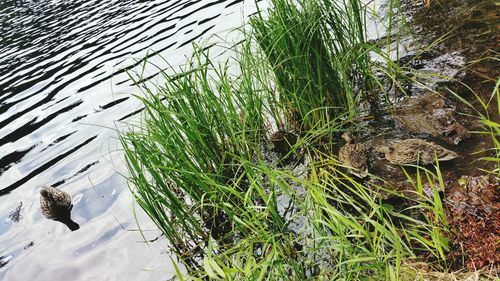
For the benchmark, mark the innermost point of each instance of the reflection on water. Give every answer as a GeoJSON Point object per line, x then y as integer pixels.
{"type": "Point", "coordinates": [62, 87]}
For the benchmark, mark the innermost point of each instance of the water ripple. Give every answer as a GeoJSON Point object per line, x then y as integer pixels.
{"type": "Point", "coordinates": [63, 84]}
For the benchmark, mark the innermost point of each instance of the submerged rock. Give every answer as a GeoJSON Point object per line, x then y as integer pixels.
{"type": "Point", "coordinates": [430, 114]}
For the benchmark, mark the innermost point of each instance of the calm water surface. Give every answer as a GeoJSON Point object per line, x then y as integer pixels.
{"type": "Point", "coordinates": [63, 86]}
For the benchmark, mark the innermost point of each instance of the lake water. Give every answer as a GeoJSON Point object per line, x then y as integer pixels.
{"type": "Point", "coordinates": [63, 86]}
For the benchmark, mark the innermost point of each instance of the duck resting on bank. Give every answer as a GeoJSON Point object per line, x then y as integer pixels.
{"type": "Point", "coordinates": [56, 205]}
{"type": "Point", "coordinates": [354, 155]}
{"type": "Point", "coordinates": [416, 151]}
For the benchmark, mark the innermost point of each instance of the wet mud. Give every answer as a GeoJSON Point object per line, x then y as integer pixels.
{"type": "Point", "coordinates": [470, 28]}
{"type": "Point", "coordinates": [463, 63]}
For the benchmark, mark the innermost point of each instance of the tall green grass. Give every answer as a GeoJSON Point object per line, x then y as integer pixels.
{"type": "Point", "coordinates": [185, 155]}
{"type": "Point", "coordinates": [201, 164]}
{"type": "Point", "coordinates": [336, 228]}
{"type": "Point", "coordinates": [319, 58]}
{"type": "Point", "coordinates": [487, 112]}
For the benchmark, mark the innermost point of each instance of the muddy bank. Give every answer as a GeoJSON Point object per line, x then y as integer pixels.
{"type": "Point", "coordinates": [469, 29]}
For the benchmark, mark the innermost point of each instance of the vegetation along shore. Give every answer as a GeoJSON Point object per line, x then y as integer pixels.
{"type": "Point", "coordinates": [317, 153]}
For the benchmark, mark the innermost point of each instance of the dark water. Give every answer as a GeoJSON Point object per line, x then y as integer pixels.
{"type": "Point", "coordinates": [62, 87]}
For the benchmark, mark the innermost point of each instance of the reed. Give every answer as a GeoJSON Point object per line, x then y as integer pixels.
{"type": "Point", "coordinates": [317, 52]}
{"type": "Point", "coordinates": [186, 151]}
{"type": "Point", "coordinates": [201, 163]}
{"type": "Point", "coordinates": [486, 112]}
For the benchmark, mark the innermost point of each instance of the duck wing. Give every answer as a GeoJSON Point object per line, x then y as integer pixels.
{"type": "Point", "coordinates": [416, 150]}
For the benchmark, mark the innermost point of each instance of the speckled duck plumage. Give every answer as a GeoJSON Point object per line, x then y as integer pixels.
{"type": "Point", "coordinates": [413, 151]}
{"type": "Point", "coordinates": [354, 155]}
{"type": "Point", "coordinates": [56, 205]}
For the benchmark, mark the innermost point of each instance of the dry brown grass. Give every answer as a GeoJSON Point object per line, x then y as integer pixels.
{"type": "Point", "coordinates": [422, 271]}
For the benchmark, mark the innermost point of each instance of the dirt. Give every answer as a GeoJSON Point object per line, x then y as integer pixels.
{"type": "Point", "coordinates": [473, 211]}
{"type": "Point", "coordinates": [471, 29]}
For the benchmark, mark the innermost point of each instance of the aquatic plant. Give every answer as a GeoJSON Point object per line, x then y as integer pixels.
{"type": "Point", "coordinates": [202, 165]}
{"type": "Point", "coordinates": [185, 155]}
{"type": "Point", "coordinates": [317, 52]}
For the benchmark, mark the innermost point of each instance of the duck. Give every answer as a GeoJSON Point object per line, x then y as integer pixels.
{"type": "Point", "coordinates": [57, 205]}
{"type": "Point", "coordinates": [354, 155]}
{"type": "Point", "coordinates": [283, 141]}
{"type": "Point", "coordinates": [431, 114]}
{"type": "Point", "coordinates": [416, 151]}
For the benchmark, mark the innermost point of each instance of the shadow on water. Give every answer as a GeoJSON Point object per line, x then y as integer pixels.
{"type": "Point", "coordinates": [51, 46]}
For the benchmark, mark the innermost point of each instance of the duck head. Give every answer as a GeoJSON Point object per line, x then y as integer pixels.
{"type": "Point", "coordinates": [385, 149]}
{"type": "Point", "coordinates": [347, 137]}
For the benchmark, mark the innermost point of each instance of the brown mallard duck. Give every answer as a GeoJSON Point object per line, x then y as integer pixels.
{"type": "Point", "coordinates": [354, 155]}
{"type": "Point", "coordinates": [413, 151]}
{"type": "Point", "coordinates": [432, 115]}
{"type": "Point", "coordinates": [56, 205]}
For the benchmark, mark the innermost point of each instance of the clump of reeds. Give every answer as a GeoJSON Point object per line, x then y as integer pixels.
{"type": "Point", "coordinates": [201, 165]}
{"type": "Point", "coordinates": [185, 157]}
{"type": "Point", "coordinates": [317, 52]}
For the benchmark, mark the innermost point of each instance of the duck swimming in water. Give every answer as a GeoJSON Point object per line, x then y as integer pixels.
{"type": "Point", "coordinates": [56, 205]}
{"type": "Point", "coordinates": [413, 151]}
{"type": "Point", "coordinates": [354, 155]}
